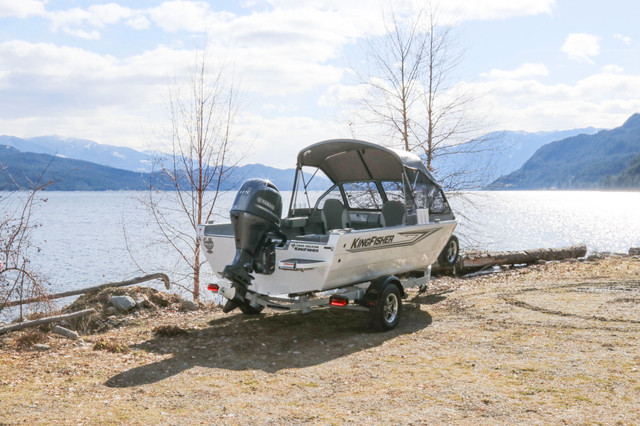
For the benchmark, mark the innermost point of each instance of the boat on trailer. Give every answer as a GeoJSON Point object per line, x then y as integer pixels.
{"type": "Point", "coordinates": [358, 245]}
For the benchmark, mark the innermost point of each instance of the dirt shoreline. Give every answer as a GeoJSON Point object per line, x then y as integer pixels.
{"type": "Point", "coordinates": [552, 343]}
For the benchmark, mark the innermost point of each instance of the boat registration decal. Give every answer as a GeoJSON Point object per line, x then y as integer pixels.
{"type": "Point", "coordinates": [389, 241]}
{"type": "Point", "coordinates": [305, 247]}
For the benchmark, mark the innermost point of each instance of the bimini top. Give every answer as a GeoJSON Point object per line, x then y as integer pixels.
{"type": "Point", "coordinates": [348, 160]}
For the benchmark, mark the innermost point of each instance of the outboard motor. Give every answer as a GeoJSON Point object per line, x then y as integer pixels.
{"type": "Point", "coordinates": [255, 216]}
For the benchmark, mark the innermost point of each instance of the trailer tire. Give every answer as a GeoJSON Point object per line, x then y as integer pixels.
{"type": "Point", "coordinates": [385, 315]}
{"type": "Point", "coordinates": [449, 255]}
{"type": "Point", "coordinates": [247, 309]}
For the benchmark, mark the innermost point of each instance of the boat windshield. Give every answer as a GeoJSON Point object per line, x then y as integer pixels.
{"type": "Point", "coordinates": [310, 184]}
{"type": "Point", "coordinates": [427, 195]}
{"type": "Point", "coordinates": [368, 195]}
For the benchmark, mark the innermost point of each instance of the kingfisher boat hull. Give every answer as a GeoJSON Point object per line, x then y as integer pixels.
{"type": "Point", "coordinates": [346, 257]}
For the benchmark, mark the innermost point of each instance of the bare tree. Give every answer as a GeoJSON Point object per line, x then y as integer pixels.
{"type": "Point", "coordinates": [202, 115]}
{"type": "Point", "coordinates": [18, 279]}
{"type": "Point", "coordinates": [411, 92]}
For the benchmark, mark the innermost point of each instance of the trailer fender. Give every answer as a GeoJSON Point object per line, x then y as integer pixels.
{"type": "Point", "coordinates": [377, 286]}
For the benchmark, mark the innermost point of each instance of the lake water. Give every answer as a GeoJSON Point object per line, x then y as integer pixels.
{"type": "Point", "coordinates": [82, 238]}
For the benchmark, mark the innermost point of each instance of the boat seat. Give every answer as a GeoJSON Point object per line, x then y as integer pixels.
{"type": "Point", "coordinates": [334, 215]}
{"type": "Point", "coordinates": [394, 213]}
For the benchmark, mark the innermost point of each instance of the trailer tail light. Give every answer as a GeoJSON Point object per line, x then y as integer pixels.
{"type": "Point", "coordinates": [338, 301]}
{"type": "Point", "coordinates": [213, 287]}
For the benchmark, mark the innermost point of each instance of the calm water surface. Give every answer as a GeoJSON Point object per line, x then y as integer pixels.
{"type": "Point", "coordinates": [82, 239]}
{"type": "Point", "coordinates": [517, 220]}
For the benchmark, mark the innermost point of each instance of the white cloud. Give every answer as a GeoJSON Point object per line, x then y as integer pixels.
{"type": "Point", "coordinates": [624, 39]}
{"type": "Point", "coordinates": [50, 61]}
{"type": "Point", "coordinates": [450, 10]}
{"type": "Point", "coordinates": [278, 52]}
{"type": "Point", "coordinates": [21, 8]}
{"type": "Point", "coordinates": [523, 71]}
{"type": "Point", "coordinates": [597, 100]}
{"type": "Point", "coordinates": [283, 75]}
{"type": "Point", "coordinates": [612, 69]}
{"type": "Point", "coordinates": [581, 47]}
{"type": "Point", "coordinates": [138, 22]}
{"type": "Point", "coordinates": [190, 16]}
{"type": "Point", "coordinates": [70, 91]}
{"type": "Point", "coordinates": [102, 15]}
{"type": "Point", "coordinates": [87, 35]}
{"type": "Point", "coordinates": [281, 138]}
{"type": "Point", "coordinates": [464, 10]}
{"type": "Point", "coordinates": [84, 23]}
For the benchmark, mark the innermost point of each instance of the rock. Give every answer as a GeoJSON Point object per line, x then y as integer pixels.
{"type": "Point", "coordinates": [634, 251]}
{"type": "Point", "coordinates": [41, 347]}
{"type": "Point", "coordinates": [65, 332]}
{"type": "Point", "coordinates": [123, 303]}
{"type": "Point", "coordinates": [188, 305]}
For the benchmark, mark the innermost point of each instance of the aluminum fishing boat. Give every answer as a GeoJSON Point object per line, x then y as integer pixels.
{"type": "Point", "coordinates": [375, 231]}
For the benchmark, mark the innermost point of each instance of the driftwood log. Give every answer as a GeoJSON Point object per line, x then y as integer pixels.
{"type": "Point", "coordinates": [137, 280]}
{"type": "Point", "coordinates": [47, 320]}
{"type": "Point", "coordinates": [476, 260]}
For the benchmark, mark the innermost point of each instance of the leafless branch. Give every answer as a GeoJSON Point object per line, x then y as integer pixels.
{"type": "Point", "coordinates": [412, 93]}
{"type": "Point", "coordinates": [202, 115]}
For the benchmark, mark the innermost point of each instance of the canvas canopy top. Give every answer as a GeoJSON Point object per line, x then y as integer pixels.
{"type": "Point", "coordinates": [350, 160]}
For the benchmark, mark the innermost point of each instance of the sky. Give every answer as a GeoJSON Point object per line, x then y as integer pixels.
{"type": "Point", "coordinates": [100, 70]}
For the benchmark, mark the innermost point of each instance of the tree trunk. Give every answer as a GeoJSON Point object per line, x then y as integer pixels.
{"type": "Point", "coordinates": [46, 320]}
{"type": "Point", "coordinates": [196, 273]}
{"type": "Point", "coordinates": [158, 276]}
{"type": "Point", "coordinates": [476, 260]}
{"type": "Point", "coordinates": [481, 260]}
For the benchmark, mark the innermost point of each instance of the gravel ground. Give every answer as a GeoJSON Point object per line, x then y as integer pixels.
{"type": "Point", "coordinates": [553, 343]}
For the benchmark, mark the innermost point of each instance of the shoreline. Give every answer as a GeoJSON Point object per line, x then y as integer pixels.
{"type": "Point", "coordinates": [546, 343]}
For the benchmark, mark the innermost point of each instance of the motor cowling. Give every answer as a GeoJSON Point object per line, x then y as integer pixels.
{"type": "Point", "coordinates": [255, 216]}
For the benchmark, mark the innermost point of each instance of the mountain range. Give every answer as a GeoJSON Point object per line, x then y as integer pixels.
{"type": "Point", "coordinates": [571, 159]}
{"type": "Point", "coordinates": [24, 169]}
{"type": "Point", "coordinates": [608, 159]}
{"type": "Point", "coordinates": [29, 169]}
{"type": "Point", "coordinates": [82, 149]}
{"type": "Point", "coordinates": [500, 153]}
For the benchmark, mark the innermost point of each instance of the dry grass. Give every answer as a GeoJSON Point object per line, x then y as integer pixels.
{"type": "Point", "coordinates": [554, 343]}
{"type": "Point", "coordinates": [27, 338]}
{"type": "Point", "coordinates": [169, 331]}
{"type": "Point", "coordinates": [112, 345]}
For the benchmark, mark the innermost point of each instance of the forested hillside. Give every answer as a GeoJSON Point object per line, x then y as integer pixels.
{"type": "Point", "coordinates": [607, 159]}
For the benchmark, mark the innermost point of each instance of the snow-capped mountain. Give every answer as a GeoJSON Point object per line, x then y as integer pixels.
{"type": "Point", "coordinates": [83, 149]}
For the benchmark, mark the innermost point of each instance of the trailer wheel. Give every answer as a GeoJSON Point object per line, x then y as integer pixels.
{"type": "Point", "coordinates": [388, 308]}
{"type": "Point", "coordinates": [449, 255]}
{"type": "Point", "coordinates": [247, 309]}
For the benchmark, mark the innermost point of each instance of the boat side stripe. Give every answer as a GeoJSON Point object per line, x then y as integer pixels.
{"type": "Point", "coordinates": [419, 236]}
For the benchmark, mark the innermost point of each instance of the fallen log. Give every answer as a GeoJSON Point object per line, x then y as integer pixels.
{"type": "Point", "coordinates": [47, 320]}
{"type": "Point", "coordinates": [484, 259]}
{"type": "Point", "coordinates": [137, 280]}
{"type": "Point", "coordinates": [476, 260]}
